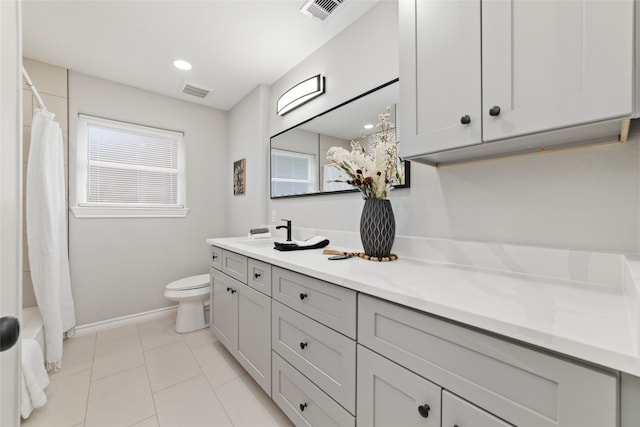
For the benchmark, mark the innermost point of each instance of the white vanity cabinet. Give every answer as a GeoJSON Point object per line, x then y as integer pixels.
{"type": "Point", "coordinates": [241, 319]}
{"type": "Point", "coordinates": [313, 334]}
{"type": "Point", "coordinates": [390, 395]}
{"type": "Point", "coordinates": [517, 384]}
{"type": "Point", "coordinates": [331, 356]}
{"type": "Point", "coordinates": [474, 72]}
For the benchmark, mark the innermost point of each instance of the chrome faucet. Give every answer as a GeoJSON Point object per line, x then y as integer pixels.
{"type": "Point", "coordinates": [288, 227]}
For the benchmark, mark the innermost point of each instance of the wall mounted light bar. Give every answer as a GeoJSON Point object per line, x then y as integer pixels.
{"type": "Point", "coordinates": [299, 94]}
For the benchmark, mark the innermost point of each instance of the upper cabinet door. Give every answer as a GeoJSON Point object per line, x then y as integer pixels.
{"type": "Point", "coordinates": [439, 75]}
{"type": "Point", "coordinates": [552, 64]}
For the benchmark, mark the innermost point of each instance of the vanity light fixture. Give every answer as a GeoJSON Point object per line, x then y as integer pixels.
{"type": "Point", "coordinates": [299, 94]}
{"type": "Point", "coordinates": [182, 65]}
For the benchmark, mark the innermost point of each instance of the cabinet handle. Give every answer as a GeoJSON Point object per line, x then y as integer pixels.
{"type": "Point", "coordinates": [303, 407]}
{"type": "Point", "coordinates": [256, 275]}
{"type": "Point", "coordinates": [424, 410]}
{"type": "Point", "coordinates": [494, 111]}
{"type": "Point", "coordinates": [214, 256]}
{"type": "Point", "coordinates": [465, 120]}
{"type": "Point", "coordinates": [233, 291]}
{"type": "Point", "coordinates": [303, 296]}
{"type": "Point", "coordinates": [303, 345]}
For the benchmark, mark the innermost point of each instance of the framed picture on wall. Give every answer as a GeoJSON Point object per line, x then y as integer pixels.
{"type": "Point", "coordinates": [239, 177]}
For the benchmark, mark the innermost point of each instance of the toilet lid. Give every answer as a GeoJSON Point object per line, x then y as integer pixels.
{"type": "Point", "coordinates": [193, 282]}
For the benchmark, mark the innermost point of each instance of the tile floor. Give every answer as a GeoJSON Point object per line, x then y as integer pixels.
{"type": "Point", "coordinates": [146, 375]}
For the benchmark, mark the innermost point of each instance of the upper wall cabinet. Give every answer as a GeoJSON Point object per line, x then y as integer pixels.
{"type": "Point", "coordinates": [489, 75]}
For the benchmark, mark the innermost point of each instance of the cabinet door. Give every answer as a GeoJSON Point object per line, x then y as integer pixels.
{"type": "Point", "coordinates": [439, 74]}
{"type": "Point", "coordinates": [224, 308]}
{"type": "Point", "coordinates": [459, 413]}
{"type": "Point", "coordinates": [253, 343]}
{"type": "Point", "coordinates": [390, 395]}
{"type": "Point", "coordinates": [553, 64]}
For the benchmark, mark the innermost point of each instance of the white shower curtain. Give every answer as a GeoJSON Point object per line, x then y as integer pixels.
{"type": "Point", "coordinates": [47, 234]}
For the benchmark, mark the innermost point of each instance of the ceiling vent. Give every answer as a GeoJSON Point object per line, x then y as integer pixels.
{"type": "Point", "coordinates": [199, 92]}
{"type": "Point", "coordinates": [320, 9]}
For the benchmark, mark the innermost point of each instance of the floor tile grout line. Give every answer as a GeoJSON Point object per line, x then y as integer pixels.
{"type": "Point", "coordinates": [146, 368]}
{"type": "Point", "coordinates": [93, 362]}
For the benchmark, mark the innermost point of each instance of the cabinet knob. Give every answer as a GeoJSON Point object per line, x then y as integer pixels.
{"type": "Point", "coordinates": [494, 111]}
{"type": "Point", "coordinates": [303, 406]}
{"type": "Point", "coordinates": [214, 256]}
{"type": "Point", "coordinates": [424, 410]}
{"type": "Point", "coordinates": [303, 296]}
{"type": "Point", "coordinates": [303, 345]}
{"type": "Point", "coordinates": [228, 289]}
{"type": "Point", "coordinates": [233, 291]}
{"type": "Point", "coordinates": [256, 275]}
{"type": "Point", "coordinates": [465, 120]}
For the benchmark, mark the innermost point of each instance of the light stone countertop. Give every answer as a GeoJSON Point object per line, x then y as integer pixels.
{"type": "Point", "coordinates": [581, 304]}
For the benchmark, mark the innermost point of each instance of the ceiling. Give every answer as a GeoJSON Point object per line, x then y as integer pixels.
{"type": "Point", "coordinates": [233, 45]}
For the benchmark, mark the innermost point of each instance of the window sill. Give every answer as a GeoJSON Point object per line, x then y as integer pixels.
{"type": "Point", "coordinates": [125, 212]}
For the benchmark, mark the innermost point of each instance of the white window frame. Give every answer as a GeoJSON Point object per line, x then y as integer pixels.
{"type": "Point", "coordinates": [312, 173]}
{"type": "Point", "coordinates": [83, 209]}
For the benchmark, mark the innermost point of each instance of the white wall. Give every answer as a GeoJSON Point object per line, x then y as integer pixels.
{"type": "Point", "coordinates": [584, 198]}
{"type": "Point", "coordinates": [361, 57]}
{"type": "Point", "coordinates": [248, 138]}
{"type": "Point", "coordinates": [120, 266]}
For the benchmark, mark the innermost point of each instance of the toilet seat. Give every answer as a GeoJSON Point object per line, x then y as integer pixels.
{"type": "Point", "coordinates": [189, 283]}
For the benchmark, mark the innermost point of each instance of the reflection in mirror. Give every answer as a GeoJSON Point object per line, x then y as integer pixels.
{"type": "Point", "coordinates": [299, 164]}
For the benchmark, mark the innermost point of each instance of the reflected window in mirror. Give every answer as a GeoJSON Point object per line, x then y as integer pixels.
{"type": "Point", "coordinates": [293, 173]}
{"type": "Point", "coordinates": [304, 147]}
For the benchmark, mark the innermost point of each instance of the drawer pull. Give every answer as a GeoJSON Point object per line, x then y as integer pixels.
{"type": "Point", "coordinates": [256, 275]}
{"type": "Point", "coordinates": [303, 295]}
{"type": "Point", "coordinates": [303, 407]}
{"type": "Point", "coordinates": [424, 410]}
{"type": "Point", "coordinates": [303, 345]}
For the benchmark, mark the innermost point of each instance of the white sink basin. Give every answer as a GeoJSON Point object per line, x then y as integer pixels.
{"type": "Point", "coordinates": [257, 242]}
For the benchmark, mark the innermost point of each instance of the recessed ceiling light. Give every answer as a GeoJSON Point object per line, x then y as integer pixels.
{"type": "Point", "coordinates": [368, 126]}
{"type": "Point", "coordinates": [182, 65]}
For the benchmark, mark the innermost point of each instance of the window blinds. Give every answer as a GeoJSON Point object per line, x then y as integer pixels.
{"type": "Point", "coordinates": [131, 165]}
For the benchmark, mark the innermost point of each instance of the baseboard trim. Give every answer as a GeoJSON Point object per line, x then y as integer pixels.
{"type": "Point", "coordinates": [103, 325]}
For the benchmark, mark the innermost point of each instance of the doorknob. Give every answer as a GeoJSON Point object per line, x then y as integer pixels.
{"type": "Point", "coordinates": [9, 332]}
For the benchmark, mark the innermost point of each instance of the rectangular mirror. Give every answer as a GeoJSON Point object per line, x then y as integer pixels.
{"type": "Point", "coordinates": [299, 165]}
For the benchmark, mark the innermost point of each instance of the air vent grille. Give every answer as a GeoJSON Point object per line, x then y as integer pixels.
{"type": "Point", "coordinates": [190, 89]}
{"type": "Point", "coordinates": [320, 9]}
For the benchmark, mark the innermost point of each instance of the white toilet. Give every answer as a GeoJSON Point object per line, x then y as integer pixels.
{"type": "Point", "coordinates": [190, 293]}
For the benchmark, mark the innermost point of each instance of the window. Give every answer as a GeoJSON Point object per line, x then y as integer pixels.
{"type": "Point", "coordinates": [292, 173]}
{"type": "Point", "coordinates": [127, 170]}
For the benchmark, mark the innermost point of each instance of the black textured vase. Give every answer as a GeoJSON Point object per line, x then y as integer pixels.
{"type": "Point", "coordinates": [377, 227]}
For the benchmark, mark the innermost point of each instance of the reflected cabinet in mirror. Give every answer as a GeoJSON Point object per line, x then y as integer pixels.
{"type": "Point", "coordinates": [299, 164]}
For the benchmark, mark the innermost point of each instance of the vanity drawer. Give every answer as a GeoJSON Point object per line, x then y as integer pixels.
{"type": "Point", "coordinates": [324, 356]}
{"type": "Point", "coordinates": [303, 402]}
{"type": "Point", "coordinates": [234, 265]}
{"type": "Point", "coordinates": [329, 304]}
{"type": "Point", "coordinates": [518, 384]}
{"type": "Point", "coordinates": [457, 412]}
{"type": "Point", "coordinates": [259, 277]}
{"type": "Point", "coordinates": [215, 257]}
